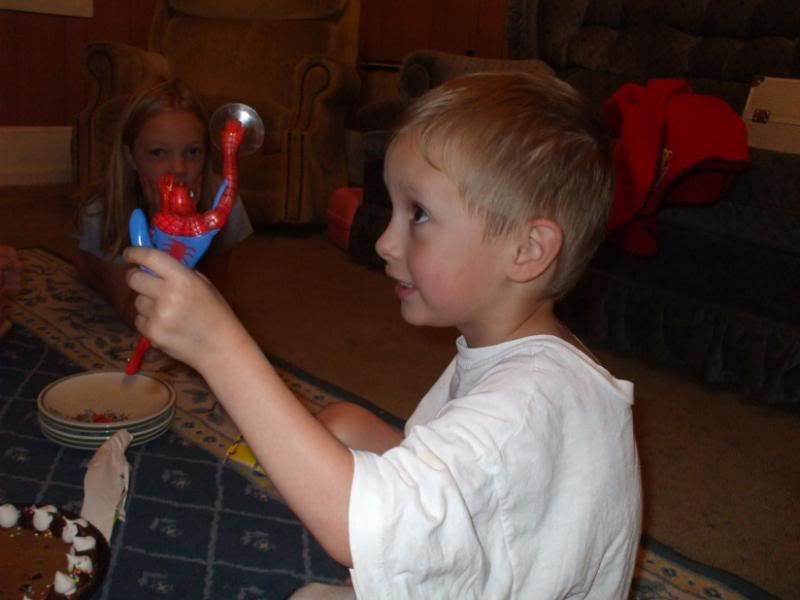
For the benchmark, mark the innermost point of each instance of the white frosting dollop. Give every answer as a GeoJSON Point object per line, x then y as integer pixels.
{"type": "Point", "coordinates": [69, 532]}
{"type": "Point", "coordinates": [63, 584]}
{"type": "Point", "coordinates": [83, 543]}
{"type": "Point", "coordinates": [82, 563]}
{"type": "Point", "coordinates": [9, 516]}
{"type": "Point", "coordinates": [43, 516]}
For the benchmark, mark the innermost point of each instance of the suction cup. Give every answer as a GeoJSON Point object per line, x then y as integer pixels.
{"type": "Point", "coordinates": [247, 116]}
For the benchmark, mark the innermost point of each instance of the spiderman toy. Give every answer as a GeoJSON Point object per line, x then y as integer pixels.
{"type": "Point", "coordinates": [177, 227]}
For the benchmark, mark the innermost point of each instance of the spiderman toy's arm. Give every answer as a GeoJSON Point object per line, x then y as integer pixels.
{"type": "Point", "coordinates": [231, 138]}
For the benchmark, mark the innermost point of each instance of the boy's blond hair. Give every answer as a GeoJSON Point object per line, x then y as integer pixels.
{"type": "Point", "coordinates": [122, 191]}
{"type": "Point", "coordinates": [520, 146]}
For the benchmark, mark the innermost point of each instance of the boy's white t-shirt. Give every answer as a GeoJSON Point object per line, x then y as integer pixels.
{"type": "Point", "coordinates": [518, 478]}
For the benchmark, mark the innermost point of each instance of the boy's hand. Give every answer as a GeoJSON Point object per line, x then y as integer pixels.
{"type": "Point", "coordinates": [181, 312]}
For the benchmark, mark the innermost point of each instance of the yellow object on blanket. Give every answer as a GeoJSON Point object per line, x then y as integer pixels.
{"type": "Point", "coordinates": [241, 453]}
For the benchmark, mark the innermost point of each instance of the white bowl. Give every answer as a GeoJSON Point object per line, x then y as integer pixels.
{"type": "Point", "coordinates": [105, 400]}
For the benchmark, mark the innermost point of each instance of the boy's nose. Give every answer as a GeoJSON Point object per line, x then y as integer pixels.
{"type": "Point", "coordinates": [387, 245]}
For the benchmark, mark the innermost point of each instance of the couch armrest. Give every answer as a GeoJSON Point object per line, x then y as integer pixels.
{"type": "Point", "coordinates": [318, 79]}
{"type": "Point", "coordinates": [313, 139]}
{"type": "Point", "coordinates": [115, 71]}
{"type": "Point", "coordinates": [425, 69]}
{"type": "Point", "coordinates": [118, 69]}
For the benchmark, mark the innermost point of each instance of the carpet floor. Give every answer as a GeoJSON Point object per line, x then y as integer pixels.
{"type": "Point", "coordinates": [62, 328]}
{"type": "Point", "coordinates": [721, 477]}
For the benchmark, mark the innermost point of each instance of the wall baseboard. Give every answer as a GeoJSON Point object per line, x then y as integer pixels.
{"type": "Point", "coordinates": [35, 155]}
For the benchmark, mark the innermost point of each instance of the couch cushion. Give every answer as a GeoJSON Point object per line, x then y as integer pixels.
{"type": "Point", "coordinates": [761, 209]}
{"type": "Point", "coordinates": [718, 46]}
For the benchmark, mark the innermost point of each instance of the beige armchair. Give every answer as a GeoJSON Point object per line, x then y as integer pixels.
{"type": "Point", "coordinates": [294, 61]}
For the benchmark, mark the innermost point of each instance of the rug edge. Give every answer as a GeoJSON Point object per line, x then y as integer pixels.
{"type": "Point", "coordinates": [732, 581]}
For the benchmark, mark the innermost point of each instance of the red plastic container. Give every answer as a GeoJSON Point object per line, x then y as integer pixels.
{"type": "Point", "coordinates": [342, 207]}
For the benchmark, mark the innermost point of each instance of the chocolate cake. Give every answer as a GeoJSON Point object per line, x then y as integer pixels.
{"type": "Point", "coordinates": [48, 554]}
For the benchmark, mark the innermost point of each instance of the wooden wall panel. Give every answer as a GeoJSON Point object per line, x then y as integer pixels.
{"type": "Point", "coordinates": [490, 31]}
{"type": "Point", "coordinates": [76, 87]}
{"type": "Point", "coordinates": [8, 69]}
{"type": "Point", "coordinates": [392, 28]}
{"type": "Point", "coordinates": [40, 97]}
{"type": "Point", "coordinates": [454, 22]}
{"type": "Point", "coordinates": [40, 58]}
{"type": "Point", "coordinates": [140, 14]}
{"type": "Point", "coordinates": [110, 21]}
{"type": "Point", "coordinates": [40, 55]}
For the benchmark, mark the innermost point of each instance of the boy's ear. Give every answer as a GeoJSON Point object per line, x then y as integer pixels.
{"type": "Point", "coordinates": [126, 151]}
{"type": "Point", "coordinates": [539, 244]}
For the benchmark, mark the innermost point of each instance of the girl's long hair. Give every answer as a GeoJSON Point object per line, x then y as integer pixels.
{"type": "Point", "coordinates": [122, 192]}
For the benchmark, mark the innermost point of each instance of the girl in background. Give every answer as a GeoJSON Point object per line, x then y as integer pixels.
{"type": "Point", "coordinates": [164, 129]}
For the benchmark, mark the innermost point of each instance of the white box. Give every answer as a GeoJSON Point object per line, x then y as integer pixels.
{"type": "Point", "coordinates": [772, 114]}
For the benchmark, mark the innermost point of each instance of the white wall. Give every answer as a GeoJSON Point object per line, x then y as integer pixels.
{"type": "Point", "coordinates": [35, 155]}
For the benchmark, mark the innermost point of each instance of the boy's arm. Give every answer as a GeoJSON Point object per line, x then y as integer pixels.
{"type": "Point", "coordinates": [187, 318]}
{"type": "Point", "coordinates": [358, 428]}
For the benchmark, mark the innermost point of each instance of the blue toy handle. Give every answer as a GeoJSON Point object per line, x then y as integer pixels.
{"type": "Point", "coordinates": [139, 229]}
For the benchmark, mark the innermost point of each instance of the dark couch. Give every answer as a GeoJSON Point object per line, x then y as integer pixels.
{"type": "Point", "coordinates": [721, 298]}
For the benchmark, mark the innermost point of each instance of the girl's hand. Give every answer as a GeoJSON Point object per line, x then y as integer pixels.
{"type": "Point", "coordinates": [181, 312]}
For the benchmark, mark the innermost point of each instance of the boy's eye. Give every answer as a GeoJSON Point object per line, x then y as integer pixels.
{"type": "Point", "coordinates": [420, 215]}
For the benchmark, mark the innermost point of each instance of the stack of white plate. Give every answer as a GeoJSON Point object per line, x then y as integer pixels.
{"type": "Point", "coordinates": [84, 410]}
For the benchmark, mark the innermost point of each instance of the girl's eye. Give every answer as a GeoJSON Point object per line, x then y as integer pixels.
{"type": "Point", "coordinates": [194, 152]}
{"type": "Point", "coordinates": [420, 215]}
{"type": "Point", "coordinates": [157, 152]}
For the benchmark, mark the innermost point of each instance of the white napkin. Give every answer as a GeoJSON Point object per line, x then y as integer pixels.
{"type": "Point", "coordinates": [105, 486]}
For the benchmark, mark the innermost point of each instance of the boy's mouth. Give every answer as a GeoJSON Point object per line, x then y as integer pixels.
{"type": "Point", "coordinates": [404, 288]}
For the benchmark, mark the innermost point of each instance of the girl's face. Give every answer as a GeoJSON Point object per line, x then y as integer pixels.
{"type": "Point", "coordinates": [447, 274]}
{"type": "Point", "coordinates": [171, 141]}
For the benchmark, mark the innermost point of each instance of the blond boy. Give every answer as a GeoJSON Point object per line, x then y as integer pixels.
{"type": "Point", "coordinates": [517, 475]}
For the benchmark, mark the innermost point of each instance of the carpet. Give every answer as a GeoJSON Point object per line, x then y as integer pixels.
{"type": "Point", "coordinates": [82, 333]}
